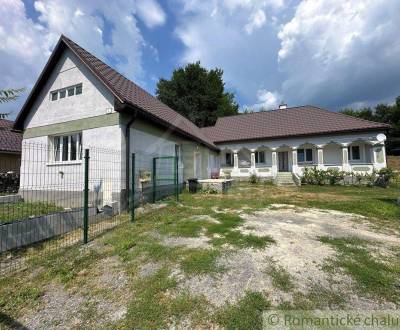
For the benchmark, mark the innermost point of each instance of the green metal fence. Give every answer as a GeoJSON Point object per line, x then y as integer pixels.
{"type": "Point", "coordinates": [53, 204]}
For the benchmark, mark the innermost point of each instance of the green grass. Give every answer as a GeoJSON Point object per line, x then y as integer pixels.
{"type": "Point", "coordinates": [246, 314]}
{"type": "Point", "coordinates": [373, 275]}
{"type": "Point", "coordinates": [20, 211]}
{"type": "Point", "coordinates": [201, 262]}
{"type": "Point", "coordinates": [280, 278]}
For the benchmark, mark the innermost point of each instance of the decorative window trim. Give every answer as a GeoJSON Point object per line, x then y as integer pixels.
{"type": "Point", "coordinates": [63, 93]}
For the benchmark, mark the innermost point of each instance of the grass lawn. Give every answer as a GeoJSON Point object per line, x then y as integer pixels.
{"type": "Point", "coordinates": [18, 211]}
{"type": "Point", "coordinates": [217, 260]}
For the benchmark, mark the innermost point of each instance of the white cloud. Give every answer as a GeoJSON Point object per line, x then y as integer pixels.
{"type": "Point", "coordinates": [151, 13]}
{"type": "Point", "coordinates": [340, 52]}
{"type": "Point", "coordinates": [267, 100]}
{"type": "Point", "coordinates": [257, 20]}
{"type": "Point", "coordinates": [26, 44]}
{"type": "Point", "coordinates": [219, 34]}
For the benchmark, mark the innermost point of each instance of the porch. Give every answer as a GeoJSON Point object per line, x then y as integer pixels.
{"type": "Point", "coordinates": [266, 161]}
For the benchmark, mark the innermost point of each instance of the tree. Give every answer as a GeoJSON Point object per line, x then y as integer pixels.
{"type": "Point", "coordinates": [383, 113]}
{"type": "Point", "coordinates": [8, 95]}
{"type": "Point", "coordinates": [198, 94]}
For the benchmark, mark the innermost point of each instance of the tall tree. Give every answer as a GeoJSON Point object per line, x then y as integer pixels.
{"type": "Point", "coordinates": [198, 94]}
{"type": "Point", "coordinates": [389, 114]}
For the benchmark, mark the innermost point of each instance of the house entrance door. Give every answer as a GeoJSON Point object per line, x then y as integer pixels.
{"type": "Point", "coordinates": [283, 159]}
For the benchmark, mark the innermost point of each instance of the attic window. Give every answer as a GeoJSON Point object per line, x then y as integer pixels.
{"type": "Point", "coordinates": [68, 91]}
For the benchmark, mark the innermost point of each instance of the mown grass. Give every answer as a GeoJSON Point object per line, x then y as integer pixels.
{"type": "Point", "coordinates": [20, 211]}
{"type": "Point", "coordinates": [373, 275]}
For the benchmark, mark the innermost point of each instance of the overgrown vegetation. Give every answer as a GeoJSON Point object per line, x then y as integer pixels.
{"type": "Point", "coordinates": [20, 211]}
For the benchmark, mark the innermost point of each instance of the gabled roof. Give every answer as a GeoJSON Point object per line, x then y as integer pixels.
{"type": "Point", "coordinates": [10, 141]}
{"type": "Point", "coordinates": [296, 121]}
{"type": "Point", "coordinates": [123, 89]}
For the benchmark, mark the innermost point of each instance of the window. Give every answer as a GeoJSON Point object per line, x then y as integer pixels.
{"type": "Point", "coordinates": [67, 147]}
{"type": "Point", "coordinates": [304, 156]}
{"type": "Point", "coordinates": [228, 158]}
{"type": "Point", "coordinates": [78, 89]}
{"type": "Point", "coordinates": [354, 153]}
{"type": "Point", "coordinates": [260, 157]}
{"type": "Point", "coordinates": [69, 91]}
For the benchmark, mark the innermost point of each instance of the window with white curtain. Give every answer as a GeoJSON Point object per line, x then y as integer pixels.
{"type": "Point", "coordinates": [67, 147]}
{"type": "Point", "coordinates": [260, 157]}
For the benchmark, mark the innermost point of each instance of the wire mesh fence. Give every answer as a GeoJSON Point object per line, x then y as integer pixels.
{"type": "Point", "coordinates": [69, 195]}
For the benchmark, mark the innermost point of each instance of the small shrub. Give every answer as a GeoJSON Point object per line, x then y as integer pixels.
{"type": "Point", "coordinates": [335, 176]}
{"type": "Point", "coordinates": [385, 176]}
{"type": "Point", "coordinates": [253, 179]}
{"type": "Point", "coordinates": [209, 190]}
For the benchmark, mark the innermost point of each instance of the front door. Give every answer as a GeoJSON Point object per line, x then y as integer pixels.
{"type": "Point", "coordinates": [283, 158]}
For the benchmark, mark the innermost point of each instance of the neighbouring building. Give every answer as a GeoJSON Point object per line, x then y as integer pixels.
{"type": "Point", "coordinates": [287, 140]}
{"type": "Point", "coordinates": [10, 147]}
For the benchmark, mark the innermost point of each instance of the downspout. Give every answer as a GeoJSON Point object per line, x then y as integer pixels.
{"type": "Point", "coordinates": [127, 155]}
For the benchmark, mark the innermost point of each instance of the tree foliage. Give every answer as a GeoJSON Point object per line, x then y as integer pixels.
{"type": "Point", "coordinates": [198, 94]}
{"type": "Point", "coordinates": [383, 113]}
{"type": "Point", "coordinates": [8, 95]}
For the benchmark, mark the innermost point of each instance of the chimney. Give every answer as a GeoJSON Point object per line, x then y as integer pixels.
{"type": "Point", "coordinates": [282, 106]}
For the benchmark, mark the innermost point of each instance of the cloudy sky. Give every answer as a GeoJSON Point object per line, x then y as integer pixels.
{"type": "Point", "coordinates": [331, 53]}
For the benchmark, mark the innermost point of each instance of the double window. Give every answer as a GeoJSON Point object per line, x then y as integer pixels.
{"type": "Point", "coordinates": [260, 157]}
{"type": "Point", "coordinates": [69, 91]}
{"type": "Point", "coordinates": [67, 147]}
{"type": "Point", "coordinates": [304, 156]}
{"type": "Point", "coordinates": [354, 153]}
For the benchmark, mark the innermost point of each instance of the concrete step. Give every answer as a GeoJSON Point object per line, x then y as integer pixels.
{"type": "Point", "coordinates": [284, 179]}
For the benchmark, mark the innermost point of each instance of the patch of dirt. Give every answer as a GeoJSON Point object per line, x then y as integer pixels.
{"type": "Point", "coordinates": [64, 309]}
{"type": "Point", "coordinates": [297, 250]}
{"type": "Point", "coordinates": [149, 269]}
{"type": "Point", "coordinates": [189, 242]}
{"type": "Point", "coordinates": [204, 217]}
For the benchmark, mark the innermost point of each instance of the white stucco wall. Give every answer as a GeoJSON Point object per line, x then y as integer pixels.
{"type": "Point", "coordinates": [94, 100]}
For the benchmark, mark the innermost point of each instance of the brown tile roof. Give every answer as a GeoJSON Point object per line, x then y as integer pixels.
{"type": "Point", "coordinates": [296, 121]}
{"type": "Point", "coordinates": [10, 141]}
{"type": "Point", "coordinates": [127, 92]}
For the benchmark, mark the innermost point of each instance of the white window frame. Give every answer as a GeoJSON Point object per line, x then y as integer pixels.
{"type": "Point", "coordinates": [257, 157]}
{"type": "Point", "coordinates": [305, 161]}
{"type": "Point", "coordinates": [350, 151]}
{"type": "Point", "coordinates": [65, 90]}
{"type": "Point", "coordinates": [54, 151]}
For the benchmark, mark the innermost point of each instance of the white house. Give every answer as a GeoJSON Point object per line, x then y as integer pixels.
{"type": "Point", "coordinates": [272, 143]}
{"type": "Point", "coordinates": [79, 102]}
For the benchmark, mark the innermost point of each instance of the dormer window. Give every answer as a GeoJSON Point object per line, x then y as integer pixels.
{"type": "Point", "coordinates": [66, 92]}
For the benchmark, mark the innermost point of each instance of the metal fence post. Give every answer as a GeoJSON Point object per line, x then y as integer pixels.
{"type": "Point", "coordinates": [86, 199]}
{"type": "Point", "coordinates": [176, 170]}
{"type": "Point", "coordinates": [133, 189]}
{"type": "Point", "coordinates": [154, 178]}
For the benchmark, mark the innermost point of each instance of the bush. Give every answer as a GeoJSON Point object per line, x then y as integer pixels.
{"type": "Point", "coordinates": [335, 176]}
{"type": "Point", "coordinates": [253, 179]}
{"type": "Point", "coordinates": [314, 176]}
{"type": "Point", "coordinates": [209, 190]}
{"type": "Point", "coordinates": [385, 176]}
{"type": "Point", "coordinates": [9, 182]}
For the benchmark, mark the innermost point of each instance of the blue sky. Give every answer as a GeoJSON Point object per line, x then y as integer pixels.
{"type": "Point", "coordinates": [327, 53]}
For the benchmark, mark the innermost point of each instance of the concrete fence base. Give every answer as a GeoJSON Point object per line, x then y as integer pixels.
{"type": "Point", "coordinates": [25, 232]}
